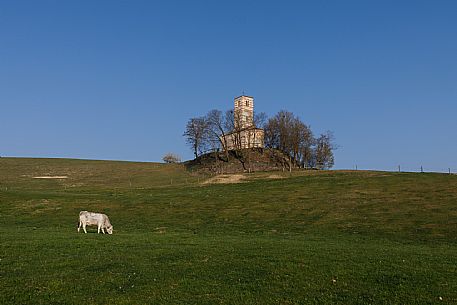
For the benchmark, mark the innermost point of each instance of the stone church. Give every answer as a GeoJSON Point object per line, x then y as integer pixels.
{"type": "Point", "coordinates": [245, 133]}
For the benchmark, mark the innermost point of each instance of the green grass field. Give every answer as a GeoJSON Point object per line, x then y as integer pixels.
{"type": "Point", "coordinates": [330, 237]}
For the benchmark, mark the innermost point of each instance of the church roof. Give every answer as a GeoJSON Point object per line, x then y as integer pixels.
{"type": "Point", "coordinates": [243, 129]}
{"type": "Point", "coordinates": [243, 96]}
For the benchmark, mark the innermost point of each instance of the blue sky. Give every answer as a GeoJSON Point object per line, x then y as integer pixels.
{"type": "Point", "coordinates": [120, 79]}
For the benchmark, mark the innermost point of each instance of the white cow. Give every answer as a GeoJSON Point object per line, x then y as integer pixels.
{"type": "Point", "coordinates": [98, 219]}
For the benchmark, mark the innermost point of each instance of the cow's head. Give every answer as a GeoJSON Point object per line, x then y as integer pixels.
{"type": "Point", "coordinates": [109, 230]}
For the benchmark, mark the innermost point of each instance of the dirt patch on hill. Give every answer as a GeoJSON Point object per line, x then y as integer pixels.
{"type": "Point", "coordinates": [236, 178]}
{"type": "Point", "coordinates": [50, 177]}
{"type": "Point", "coordinates": [275, 177]}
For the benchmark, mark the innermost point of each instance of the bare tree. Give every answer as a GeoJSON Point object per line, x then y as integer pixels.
{"type": "Point", "coordinates": [302, 141]}
{"type": "Point", "coordinates": [286, 120]}
{"type": "Point", "coordinates": [196, 135]}
{"type": "Point", "coordinates": [260, 119]}
{"type": "Point", "coordinates": [171, 158]}
{"type": "Point", "coordinates": [234, 124]}
{"type": "Point", "coordinates": [289, 134]}
{"type": "Point", "coordinates": [324, 151]}
{"type": "Point", "coordinates": [283, 132]}
{"type": "Point", "coordinates": [217, 130]}
{"type": "Point", "coordinates": [271, 130]}
{"type": "Point", "coordinates": [307, 154]}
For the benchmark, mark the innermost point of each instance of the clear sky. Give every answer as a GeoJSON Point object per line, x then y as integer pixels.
{"type": "Point", "coordinates": [120, 79]}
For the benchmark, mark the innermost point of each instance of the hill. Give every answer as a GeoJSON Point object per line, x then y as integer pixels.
{"type": "Point", "coordinates": [314, 237]}
{"type": "Point", "coordinates": [246, 160]}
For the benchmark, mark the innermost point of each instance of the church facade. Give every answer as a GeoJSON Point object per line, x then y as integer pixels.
{"type": "Point", "coordinates": [245, 133]}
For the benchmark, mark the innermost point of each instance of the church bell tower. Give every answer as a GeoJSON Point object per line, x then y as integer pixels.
{"type": "Point", "coordinates": [244, 111]}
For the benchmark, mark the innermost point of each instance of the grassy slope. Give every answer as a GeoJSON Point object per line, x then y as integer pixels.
{"type": "Point", "coordinates": [313, 238]}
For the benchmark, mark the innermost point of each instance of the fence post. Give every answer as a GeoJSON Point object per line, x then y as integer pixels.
{"type": "Point", "coordinates": [422, 169]}
{"type": "Point", "coordinates": [399, 169]}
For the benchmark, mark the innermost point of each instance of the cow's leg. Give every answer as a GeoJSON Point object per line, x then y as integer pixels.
{"type": "Point", "coordinates": [103, 230]}
{"type": "Point", "coordinates": [79, 226]}
{"type": "Point", "coordinates": [84, 227]}
{"type": "Point", "coordinates": [98, 229]}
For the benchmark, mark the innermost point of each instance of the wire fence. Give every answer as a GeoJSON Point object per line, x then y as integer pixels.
{"type": "Point", "coordinates": [411, 169]}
